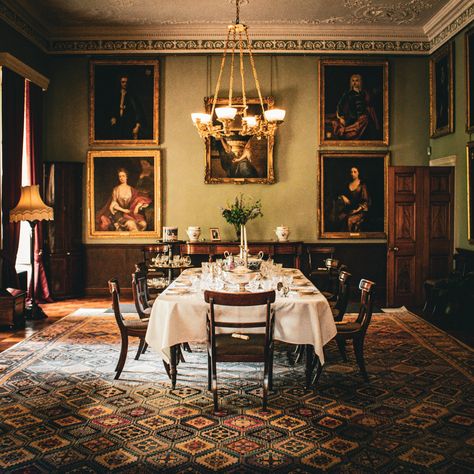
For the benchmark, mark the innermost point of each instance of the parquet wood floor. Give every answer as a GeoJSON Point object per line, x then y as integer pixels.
{"type": "Point", "coordinates": [55, 311]}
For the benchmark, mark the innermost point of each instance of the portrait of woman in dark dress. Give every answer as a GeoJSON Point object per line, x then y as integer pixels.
{"type": "Point", "coordinates": [352, 205]}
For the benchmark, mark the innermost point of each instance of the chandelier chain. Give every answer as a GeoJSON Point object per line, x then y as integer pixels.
{"type": "Point", "coordinates": [231, 81]}
{"type": "Point", "coordinates": [218, 84]}
{"type": "Point", "coordinates": [254, 71]}
{"type": "Point", "coordinates": [237, 12]}
{"type": "Point", "coordinates": [242, 74]}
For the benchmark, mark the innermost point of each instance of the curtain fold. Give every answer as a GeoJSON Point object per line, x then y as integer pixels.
{"type": "Point", "coordinates": [13, 101]}
{"type": "Point", "coordinates": [34, 134]}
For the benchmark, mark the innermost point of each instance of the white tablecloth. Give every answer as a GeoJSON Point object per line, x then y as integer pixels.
{"type": "Point", "coordinates": [182, 318]}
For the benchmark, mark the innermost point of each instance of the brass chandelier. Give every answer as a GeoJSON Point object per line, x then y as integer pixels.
{"type": "Point", "coordinates": [260, 126]}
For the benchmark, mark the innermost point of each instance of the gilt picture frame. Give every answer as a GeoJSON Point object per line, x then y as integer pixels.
{"type": "Point", "coordinates": [124, 194]}
{"type": "Point", "coordinates": [442, 91]}
{"type": "Point", "coordinates": [353, 198]}
{"type": "Point", "coordinates": [354, 102]}
{"type": "Point", "coordinates": [123, 102]}
{"type": "Point", "coordinates": [239, 159]}
{"type": "Point", "coordinates": [215, 234]}
{"type": "Point", "coordinates": [470, 191]}
{"type": "Point", "coordinates": [469, 66]}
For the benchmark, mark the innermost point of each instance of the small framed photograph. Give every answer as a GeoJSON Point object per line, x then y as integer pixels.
{"type": "Point", "coordinates": [124, 194]}
{"type": "Point", "coordinates": [354, 102]}
{"type": "Point", "coordinates": [215, 234]}
{"type": "Point", "coordinates": [442, 91]}
{"type": "Point", "coordinates": [353, 195]}
{"type": "Point", "coordinates": [469, 61]}
{"type": "Point", "coordinates": [239, 158]}
{"type": "Point", "coordinates": [123, 102]}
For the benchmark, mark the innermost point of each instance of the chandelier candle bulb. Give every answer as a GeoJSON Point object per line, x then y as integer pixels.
{"type": "Point", "coordinates": [275, 115]}
{"type": "Point", "coordinates": [226, 113]}
{"type": "Point", "coordinates": [200, 118]}
{"type": "Point", "coordinates": [250, 121]}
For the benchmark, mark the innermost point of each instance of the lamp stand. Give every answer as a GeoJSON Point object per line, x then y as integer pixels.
{"type": "Point", "coordinates": [34, 311]}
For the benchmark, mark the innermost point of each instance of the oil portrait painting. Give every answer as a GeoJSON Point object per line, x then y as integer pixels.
{"type": "Point", "coordinates": [353, 102]}
{"type": "Point", "coordinates": [353, 194]}
{"type": "Point", "coordinates": [123, 102]}
{"type": "Point", "coordinates": [124, 196]}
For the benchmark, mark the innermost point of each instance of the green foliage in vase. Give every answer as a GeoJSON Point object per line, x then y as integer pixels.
{"type": "Point", "coordinates": [242, 210]}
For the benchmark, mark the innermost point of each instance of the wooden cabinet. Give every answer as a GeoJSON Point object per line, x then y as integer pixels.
{"type": "Point", "coordinates": [63, 248]}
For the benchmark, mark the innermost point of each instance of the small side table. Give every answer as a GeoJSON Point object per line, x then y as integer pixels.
{"type": "Point", "coordinates": [12, 307]}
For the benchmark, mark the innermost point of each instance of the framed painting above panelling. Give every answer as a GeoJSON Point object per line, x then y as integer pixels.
{"type": "Point", "coordinates": [239, 158]}
{"type": "Point", "coordinates": [123, 102]}
{"type": "Point", "coordinates": [124, 194]}
{"type": "Point", "coordinates": [442, 91]}
{"type": "Point", "coordinates": [354, 102]}
{"type": "Point", "coordinates": [353, 194]}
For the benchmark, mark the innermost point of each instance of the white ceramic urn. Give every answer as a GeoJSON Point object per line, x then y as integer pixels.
{"type": "Point", "coordinates": [282, 232]}
{"type": "Point", "coordinates": [194, 232]}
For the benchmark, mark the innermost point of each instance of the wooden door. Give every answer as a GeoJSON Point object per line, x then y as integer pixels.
{"type": "Point", "coordinates": [420, 236]}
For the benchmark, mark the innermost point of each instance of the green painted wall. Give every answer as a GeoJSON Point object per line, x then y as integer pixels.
{"type": "Point", "coordinates": [292, 200]}
{"type": "Point", "coordinates": [455, 144]}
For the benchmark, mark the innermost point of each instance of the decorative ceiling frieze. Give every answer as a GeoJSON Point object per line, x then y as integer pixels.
{"type": "Point", "coordinates": [263, 46]}
{"type": "Point", "coordinates": [363, 27]}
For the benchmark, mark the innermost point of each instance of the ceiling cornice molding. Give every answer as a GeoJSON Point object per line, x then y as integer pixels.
{"type": "Point", "coordinates": [259, 46]}
{"type": "Point", "coordinates": [449, 20]}
{"type": "Point", "coordinates": [15, 65]}
{"type": "Point", "coordinates": [304, 38]}
{"type": "Point", "coordinates": [22, 22]}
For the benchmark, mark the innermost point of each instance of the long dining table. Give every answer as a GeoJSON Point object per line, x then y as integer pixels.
{"type": "Point", "coordinates": [302, 317]}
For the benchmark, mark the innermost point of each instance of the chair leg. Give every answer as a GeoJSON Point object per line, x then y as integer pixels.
{"type": "Point", "coordinates": [214, 385]}
{"type": "Point", "coordinates": [167, 368]}
{"type": "Point", "coordinates": [173, 362]}
{"type": "Point", "coordinates": [300, 349]}
{"type": "Point", "coordinates": [319, 371]}
{"type": "Point", "coordinates": [341, 344]}
{"type": "Point", "coordinates": [359, 354]}
{"type": "Point", "coordinates": [209, 372]}
{"type": "Point", "coordinates": [140, 349]}
{"type": "Point", "coordinates": [122, 357]}
{"type": "Point", "coordinates": [145, 347]}
{"type": "Point", "coordinates": [270, 370]}
{"type": "Point", "coordinates": [187, 347]}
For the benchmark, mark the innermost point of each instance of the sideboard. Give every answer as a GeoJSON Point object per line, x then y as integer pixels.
{"type": "Point", "coordinates": [291, 250]}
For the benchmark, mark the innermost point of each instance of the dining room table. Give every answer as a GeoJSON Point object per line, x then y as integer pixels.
{"type": "Point", "coordinates": [303, 317]}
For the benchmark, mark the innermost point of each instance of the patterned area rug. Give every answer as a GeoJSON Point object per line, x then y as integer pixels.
{"type": "Point", "coordinates": [61, 410]}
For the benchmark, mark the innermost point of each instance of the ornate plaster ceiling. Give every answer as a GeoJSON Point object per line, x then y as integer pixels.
{"type": "Point", "coordinates": [416, 22]}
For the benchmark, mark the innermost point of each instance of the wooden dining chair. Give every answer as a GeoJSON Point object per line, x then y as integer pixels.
{"type": "Point", "coordinates": [240, 346]}
{"type": "Point", "coordinates": [140, 295]}
{"type": "Point", "coordinates": [128, 328]}
{"type": "Point", "coordinates": [357, 329]}
{"type": "Point", "coordinates": [339, 304]}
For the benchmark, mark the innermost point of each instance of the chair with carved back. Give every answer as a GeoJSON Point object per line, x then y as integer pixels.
{"type": "Point", "coordinates": [356, 330]}
{"type": "Point", "coordinates": [128, 328]}
{"type": "Point", "coordinates": [140, 295]}
{"type": "Point", "coordinates": [339, 304]}
{"type": "Point", "coordinates": [241, 346]}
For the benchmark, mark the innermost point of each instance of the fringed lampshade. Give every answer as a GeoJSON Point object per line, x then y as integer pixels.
{"type": "Point", "coordinates": [31, 207]}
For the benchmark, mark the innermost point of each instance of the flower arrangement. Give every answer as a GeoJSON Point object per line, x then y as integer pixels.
{"type": "Point", "coordinates": [241, 210]}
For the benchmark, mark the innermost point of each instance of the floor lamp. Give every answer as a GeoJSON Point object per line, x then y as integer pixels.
{"type": "Point", "coordinates": [32, 209]}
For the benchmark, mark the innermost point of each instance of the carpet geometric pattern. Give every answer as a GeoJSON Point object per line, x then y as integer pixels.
{"type": "Point", "coordinates": [61, 410]}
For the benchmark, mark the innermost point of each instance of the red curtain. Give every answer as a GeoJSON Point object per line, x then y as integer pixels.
{"type": "Point", "coordinates": [34, 133]}
{"type": "Point", "coordinates": [13, 96]}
